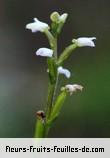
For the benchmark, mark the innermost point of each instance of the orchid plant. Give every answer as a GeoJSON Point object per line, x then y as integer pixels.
{"type": "Point", "coordinates": [55, 63]}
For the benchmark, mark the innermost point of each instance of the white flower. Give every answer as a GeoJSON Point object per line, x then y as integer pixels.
{"type": "Point", "coordinates": [37, 26]}
{"type": "Point", "coordinates": [84, 41]}
{"type": "Point", "coordinates": [73, 88]}
{"type": "Point", "coordinates": [66, 72]}
{"type": "Point", "coordinates": [45, 52]}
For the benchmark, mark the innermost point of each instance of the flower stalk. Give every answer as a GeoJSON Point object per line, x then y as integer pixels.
{"type": "Point", "coordinates": [55, 101]}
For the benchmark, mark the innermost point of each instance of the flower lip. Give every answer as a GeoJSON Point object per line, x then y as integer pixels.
{"type": "Point", "coordinates": [37, 26]}
{"type": "Point", "coordinates": [84, 41]}
{"type": "Point", "coordinates": [45, 52]}
{"type": "Point", "coordinates": [66, 72]}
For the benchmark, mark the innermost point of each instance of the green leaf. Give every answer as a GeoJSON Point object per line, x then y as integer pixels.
{"type": "Point", "coordinates": [57, 107]}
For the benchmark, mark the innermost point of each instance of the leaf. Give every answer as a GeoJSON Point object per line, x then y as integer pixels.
{"type": "Point", "coordinates": [57, 107]}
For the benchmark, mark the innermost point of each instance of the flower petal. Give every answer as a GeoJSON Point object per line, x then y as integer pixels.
{"type": "Point", "coordinates": [45, 52]}
{"type": "Point", "coordinates": [66, 72]}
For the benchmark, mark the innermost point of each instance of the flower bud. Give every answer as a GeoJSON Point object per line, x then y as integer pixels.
{"type": "Point", "coordinates": [55, 16]}
{"type": "Point", "coordinates": [63, 17]}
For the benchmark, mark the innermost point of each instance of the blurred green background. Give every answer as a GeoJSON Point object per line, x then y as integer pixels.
{"type": "Point", "coordinates": [23, 77]}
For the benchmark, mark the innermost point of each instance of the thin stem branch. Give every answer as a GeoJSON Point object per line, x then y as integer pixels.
{"type": "Point", "coordinates": [52, 86]}
{"type": "Point", "coordinates": [66, 53]}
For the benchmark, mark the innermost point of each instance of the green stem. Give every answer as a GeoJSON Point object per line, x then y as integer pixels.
{"type": "Point", "coordinates": [53, 81]}
{"type": "Point", "coordinates": [50, 38]}
{"type": "Point", "coordinates": [50, 97]}
{"type": "Point", "coordinates": [66, 53]}
{"type": "Point", "coordinates": [42, 128]}
{"type": "Point", "coordinates": [39, 129]}
{"type": "Point", "coordinates": [55, 48]}
{"type": "Point", "coordinates": [55, 90]}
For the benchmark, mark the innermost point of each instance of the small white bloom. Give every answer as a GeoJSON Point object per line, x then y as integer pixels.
{"type": "Point", "coordinates": [66, 72]}
{"type": "Point", "coordinates": [37, 26]}
{"type": "Point", "coordinates": [84, 41]}
{"type": "Point", "coordinates": [45, 52]}
{"type": "Point", "coordinates": [73, 88]}
{"type": "Point", "coordinates": [63, 17]}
